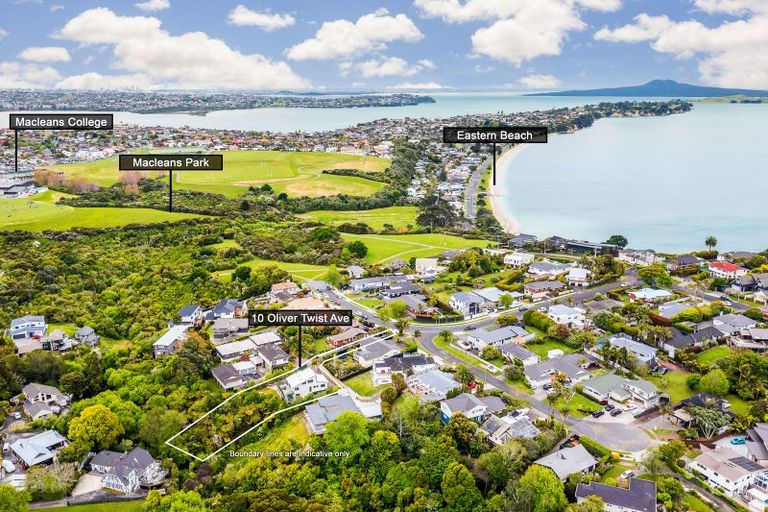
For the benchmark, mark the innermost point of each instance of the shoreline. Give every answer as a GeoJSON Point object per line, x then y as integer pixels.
{"type": "Point", "coordinates": [509, 224]}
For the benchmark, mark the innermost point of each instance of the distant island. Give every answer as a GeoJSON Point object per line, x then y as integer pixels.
{"type": "Point", "coordinates": [191, 103]}
{"type": "Point", "coordinates": [661, 88]}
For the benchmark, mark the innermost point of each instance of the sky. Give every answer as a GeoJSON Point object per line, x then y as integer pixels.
{"type": "Point", "coordinates": [330, 45]}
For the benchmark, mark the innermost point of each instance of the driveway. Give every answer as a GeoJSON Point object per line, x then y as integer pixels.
{"type": "Point", "coordinates": [616, 436]}
{"type": "Point", "coordinates": [89, 482]}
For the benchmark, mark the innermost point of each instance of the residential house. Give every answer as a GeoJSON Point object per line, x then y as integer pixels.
{"type": "Point", "coordinates": [227, 328]}
{"type": "Point", "coordinates": [473, 407]}
{"type": "Point", "coordinates": [56, 341]}
{"type": "Point", "coordinates": [468, 304]}
{"type": "Point", "coordinates": [42, 400]}
{"type": "Point", "coordinates": [598, 306]}
{"type": "Point", "coordinates": [303, 383]}
{"type": "Point", "coordinates": [725, 270]}
{"type": "Point", "coordinates": [192, 314]}
{"type": "Point", "coordinates": [87, 336]}
{"type": "Point", "coordinates": [405, 365]}
{"type": "Point", "coordinates": [575, 459]}
{"type": "Point", "coordinates": [539, 290]}
{"type": "Point", "coordinates": [375, 350]}
{"type": "Point", "coordinates": [169, 342]}
{"type": "Point", "coordinates": [682, 340]}
{"type": "Point", "coordinates": [480, 338]}
{"type": "Point", "coordinates": [273, 356]}
{"type": "Point", "coordinates": [492, 296]}
{"type": "Point", "coordinates": [682, 417]}
{"type": "Point", "coordinates": [229, 378]}
{"type": "Point", "coordinates": [29, 326]}
{"type": "Point", "coordinates": [126, 472]}
{"type": "Point", "coordinates": [619, 389]}
{"type": "Point", "coordinates": [522, 240]}
{"type": "Point", "coordinates": [577, 277]}
{"type": "Point", "coordinates": [733, 323]}
{"type": "Point", "coordinates": [644, 353]}
{"type": "Point", "coordinates": [726, 470]}
{"type": "Point", "coordinates": [265, 338]}
{"type": "Point", "coordinates": [230, 308]}
{"type": "Point", "coordinates": [346, 336]}
{"type": "Point", "coordinates": [639, 497]}
{"type": "Point", "coordinates": [328, 408]}
{"type": "Point", "coordinates": [648, 295]}
{"type": "Point", "coordinates": [399, 290]}
{"type": "Point", "coordinates": [417, 305]}
{"type": "Point", "coordinates": [376, 283]}
{"type": "Point", "coordinates": [285, 289]}
{"type": "Point", "coordinates": [566, 315]}
{"type": "Point", "coordinates": [751, 283]}
{"type": "Point", "coordinates": [235, 350]}
{"type": "Point", "coordinates": [426, 265]}
{"type": "Point", "coordinates": [500, 430]}
{"type": "Point", "coordinates": [548, 269]}
{"type": "Point", "coordinates": [752, 338]}
{"type": "Point", "coordinates": [432, 385]}
{"type": "Point", "coordinates": [38, 449]}
{"type": "Point", "coordinates": [518, 259]}
{"type": "Point", "coordinates": [396, 265]}
{"type": "Point", "coordinates": [757, 443]}
{"type": "Point", "coordinates": [306, 303]}
{"type": "Point", "coordinates": [514, 351]}
{"type": "Point", "coordinates": [571, 365]}
{"type": "Point", "coordinates": [639, 257]}
{"type": "Point", "coordinates": [355, 271]}
{"type": "Point", "coordinates": [687, 262]}
{"type": "Point", "coordinates": [669, 310]}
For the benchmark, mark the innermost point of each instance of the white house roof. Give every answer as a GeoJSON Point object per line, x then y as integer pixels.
{"type": "Point", "coordinates": [36, 449]}
{"type": "Point", "coordinates": [304, 375]}
{"type": "Point", "coordinates": [496, 335]}
{"type": "Point", "coordinates": [236, 347]}
{"type": "Point", "coordinates": [171, 335]}
{"type": "Point", "coordinates": [563, 310]}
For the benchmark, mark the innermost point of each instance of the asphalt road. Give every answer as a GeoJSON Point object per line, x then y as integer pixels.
{"type": "Point", "coordinates": [470, 193]}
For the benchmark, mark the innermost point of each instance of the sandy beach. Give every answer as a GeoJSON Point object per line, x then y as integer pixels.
{"type": "Point", "coordinates": [508, 223]}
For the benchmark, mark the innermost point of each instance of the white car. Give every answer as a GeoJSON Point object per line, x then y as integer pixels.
{"type": "Point", "coordinates": [626, 474]}
{"type": "Point", "coordinates": [8, 466]}
{"type": "Point", "coordinates": [17, 415]}
{"type": "Point", "coordinates": [629, 407]}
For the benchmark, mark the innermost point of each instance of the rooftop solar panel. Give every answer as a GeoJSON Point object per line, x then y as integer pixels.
{"type": "Point", "coordinates": [747, 464]}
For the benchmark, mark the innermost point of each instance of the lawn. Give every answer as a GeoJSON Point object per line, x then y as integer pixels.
{"type": "Point", "coordinates": [41, 213]}
{"type": "Point", "coordinates": [383, 248]}
{"type": "Point", "coordinates": [279, 437]}
{"type": "Point", "coordinates": [297, 270]}
{"type": "Point", "coordinates": [713, 354]}
{"type": "Point", "coordinates": [467, 358]}
{"type": "Point", "coordinates": [226, 244]}
{"type": "Point", "coordinates": [397, 216]}
{"type": "Point", "coordinates": [541, 349]}
{"type": "Point", "coordinates": [114, 506]}
{"type": "Point", "coordinates": [295, 173]}
{"type": "Point", "coordinates": [673, 383]}
{"type": "Point", "coordinates": [617, 469]}
{"type": "Point", "coordinates": [576, 403]}
{"type": "Point", "coordinates": [363, 385]}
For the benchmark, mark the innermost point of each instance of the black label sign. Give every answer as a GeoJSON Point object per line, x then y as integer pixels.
{"type": "Point", "coordinates": [332, 317]}
{"type": "Point", "coordinates": [61, 121]}
{"type": "Point", "coordinates": [172, 162]}
{"type": "Point", "coordinates": [500, 135]}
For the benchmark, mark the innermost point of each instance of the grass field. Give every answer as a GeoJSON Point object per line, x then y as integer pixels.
{"type": "Point", "coordinates": [383, 248]}
{"type": "Point", "coordinates": [297, 270]}
{"type": "Point", "coordinates": [41, 213]}
{"type": "Point", "coordinates": [711, 355]}
{"type": "Point", "coordinates": [673, 383]}
{"type": "Point", "coordinates": [398, 216]}
{"type": "Point", "coordinates": [126, 506]}
{"type": "Point", "coordinates": [577, 403]}
{"type": "Point", "coordinates": [295, 173]}
{"type": "Point", "coordinates": [363, 385]}
{"type": "Point", "coordinates": [280, 437]}
{"type": "Point", "coordinates": [541, 349]}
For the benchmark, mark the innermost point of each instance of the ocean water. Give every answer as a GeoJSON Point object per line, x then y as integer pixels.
{"type": "Point", "coordinates": [666, 183]}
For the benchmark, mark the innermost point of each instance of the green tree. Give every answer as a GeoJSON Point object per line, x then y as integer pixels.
{"type": "Point", "coordinates": [671, 452]}
{"type": "Point", "coordinates": [358, 249]}
{"type": "Point", "coordinates": [710, 242]}
{"type": "Point", "coordinates": [160, 424]}
{"type": "Point", "coordinates": [97, 428]}
{"type": "Point", "coordinates": [13, 501]}
{"type": "Point", "coordinates": [437, 455]}
{"type": "Point", "coordinates": [619, 241]}
{"type": "Point", "coordinates": [500, 465]}
{"type": "Point", "coordinates": [333, 277]}
{"type": "Point", "coordinates": [242, 273]}
{"type": "Point", "coordinates": [347, 433]}
{"type": "Point", "coordinates": [655, 275]}
{"type": "Point", "coordinates": [506, 300]}
{"type": "Point", "coordinates": [545, 488]}
{"type": "Point", "coordinates": [459, 490]}
{"type": "Point", "coordinates": [383, 453]}
{"type": "Point", "coordinates": [715, 382]}
{"type": "Point", "coordinates": [73, 383]}
{"type": "Point", "coordinates": [464, 375]}
{"type": "Point", "coordinates": [591, 504]}
{"type": "Point", "coordinates": [462, 430]}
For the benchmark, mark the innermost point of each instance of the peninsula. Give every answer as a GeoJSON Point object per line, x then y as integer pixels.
{"type": "Point", "coordinates": [660, 88]}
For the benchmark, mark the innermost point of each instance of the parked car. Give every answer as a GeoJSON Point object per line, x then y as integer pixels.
{"type": "Point", "coordinates": [543, 309]}
{"type": "Point", "coordinates": [610, 407]}
{"type": "Point", "coordinates": [598, 413]}
{"type": "Point", "coordinates": [470, 328]}
{"type": "Point", "coordinates": [626, 474]}
{"type": "Point", "coordinates": [17, 415]}
{"type": "Point", "coordinates": [616, 412]}
{"type": "Point", "coordinates": [547, 387]}
{"type": "Point", "coordinates": [739, 440]}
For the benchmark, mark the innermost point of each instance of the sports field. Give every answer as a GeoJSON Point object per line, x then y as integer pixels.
{"type": "Point", "coordinates": [295, 173]}
{"type": "Point", "coordinates": [41, 213]}
{"type": "Point", "coordinates": [397, 216]}
{"type": "Point", "coordinates": [384, 248]}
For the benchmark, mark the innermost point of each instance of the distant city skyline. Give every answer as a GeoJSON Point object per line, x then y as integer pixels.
{"type": "Point", "coordinates": [435, 45]}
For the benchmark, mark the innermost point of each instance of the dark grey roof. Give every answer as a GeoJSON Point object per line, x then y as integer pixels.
{"type": "Point", "coordinates": [405, 363]}
{"type": "Point", "coordinates": [512, 349]}
{"type": "Point", "coordinates": [376, 350]}
{"type": "Point", "coordinates": [188, 310]}
{"type": "Point", "coordinates": [544, 285]}
{"type": "Point", "coordinates": [640, 497]}
{"type": "Point", "coordinates": [225, 374]}
{"type": "Point", "coordinates": [227, 306]}
{"type": "Point", "coordinates": [271, 352]}
{"type": "Point", "coordinates": [328, 408]}
{"type": "Point", "coordinates": [106, 458]}
{"type": "Point", "coordinates": [468, 297]}
{"type": "Point", "coordinates": [86, 330]}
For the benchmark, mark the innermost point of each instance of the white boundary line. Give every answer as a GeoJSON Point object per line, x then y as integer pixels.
{"type": "Point", "coordinates": [356, 345]}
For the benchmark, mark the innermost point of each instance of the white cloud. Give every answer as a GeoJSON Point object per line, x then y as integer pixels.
{"type": "Point", "coordinates": [601, 5]}
{"type": "Point", "coordinates": [731, 6]}
{"type": "Point", "coordinates": [15, 75]}
{"type": "Point", "coordinates": [421, 85]}
{"type": "Point", "coordinates": [45, 54]}
{"type": "Point", "coordinates": [343, 38]}
{"type": "Point", "coordinates": [243, 16]}
{"type": "Point", "coordinates": [462, 11]}
{"type": "Point", "coordinates": [97, 81]}
{"type": "Point", "coordinates": [188, 61]}
{"type": "Point", "coordinates": [731, 54]}
{"type": "Point", "coordinates": [154, 5]}
{"type": "Point", "coordinates": [536, 30]}
{"type": "Point", "coordinates": [55, 7]}
{"type": "Point", "coordinates": [392, 66]}
{"type": "Point", "coordinates": [539, 81]}
{"type": "Point", "coordinates": [3, 33]}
